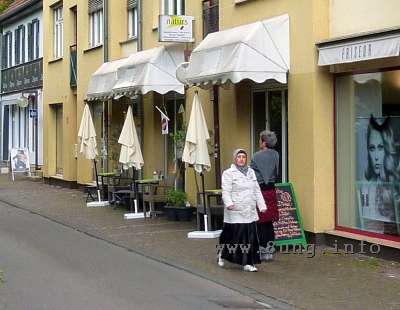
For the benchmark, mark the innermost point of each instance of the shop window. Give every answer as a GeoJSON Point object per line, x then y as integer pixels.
{"type": "Point", "coordinates": [368, 152]}
{"type": "Point", "coordinates": [132, 19]}
{"type": "Point", "coordinates": [173, 7]}
{"type": "Point", "coordinates": [210, 17]}
{"type": "Point", "coordinates": [58, 32]}
{"type": "Point", "coordinates": [269, 111]}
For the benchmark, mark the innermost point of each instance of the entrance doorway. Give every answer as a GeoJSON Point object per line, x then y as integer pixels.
{"type": "Point", "coordinates": [269, 111]}
{"type": "Point", "coordinates": [175, 167]}
{"type": "Point", "coordinates": [58, 111]}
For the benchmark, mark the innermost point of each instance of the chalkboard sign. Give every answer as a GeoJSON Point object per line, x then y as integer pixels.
{"type": "Point", "coordinates": [289, 229]}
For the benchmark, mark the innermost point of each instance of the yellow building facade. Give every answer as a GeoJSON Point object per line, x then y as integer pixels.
{"type": "Point", "coordinates": [302, 111]}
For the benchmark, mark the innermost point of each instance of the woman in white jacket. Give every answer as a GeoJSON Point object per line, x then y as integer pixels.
{"type": "Point", "coordinates": [241, 195]}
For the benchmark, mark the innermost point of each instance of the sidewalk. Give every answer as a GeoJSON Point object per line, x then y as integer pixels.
{"type": "Point", "coordinates": [326, 281]}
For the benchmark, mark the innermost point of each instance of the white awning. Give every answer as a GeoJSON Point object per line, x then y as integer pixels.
{"type": "Point", "coordinates": [103, 80]}
{"type": "Point", "coordinates": [358, 48]}
{"type": "Point", "coordinates": [258, 51]}
{"type": "Point", "coordinates": [150, 70]}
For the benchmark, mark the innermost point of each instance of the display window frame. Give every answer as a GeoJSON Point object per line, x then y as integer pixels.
{"type": "Point", "coordinates": [337, 226]}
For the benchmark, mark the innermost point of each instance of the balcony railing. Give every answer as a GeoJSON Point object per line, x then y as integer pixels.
{"type": "Point", "coordinates": [23, 76]}
{"type": "Point", "coordinates": [73, 67]}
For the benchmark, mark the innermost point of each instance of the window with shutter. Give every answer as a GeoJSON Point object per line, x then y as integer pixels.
{"type": "Point", "coordinates": [210, 16]}
{"type": "Point", "coordinates": [35, 43]}
{"type": "Point", "coordinates": [16, 46]}
{"type": "Point", "coordinates": [95, 5]}
{"type": "Point", "coordinates": [95, 27]}
{"type": "Point", "coordinates": [10, 47]}
{"type": "Point", "coordinates": [58, 32]}
{"type": "Point", "coordinates": [173, 7]}
{"type": "Point", "coordinates": [22, 44]}
{"type": "Point", "coordinates": [30, 41]}
{"type": "Point", "coordinates": [4, 51]}
{"type": "Point", "coordinates": [132, 19]}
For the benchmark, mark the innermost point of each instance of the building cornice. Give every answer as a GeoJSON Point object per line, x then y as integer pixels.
{"type": "Point", "coordinates": [21, 11]}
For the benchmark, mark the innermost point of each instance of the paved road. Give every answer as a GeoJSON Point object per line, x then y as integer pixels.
{"type": "Point", "coordinates": [49, 266]}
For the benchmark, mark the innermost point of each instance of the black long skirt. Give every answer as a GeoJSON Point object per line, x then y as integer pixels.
{"type": "Point", "coordinates": [266, 234]}
{"type": "Point", "coordinates": [239, 244]}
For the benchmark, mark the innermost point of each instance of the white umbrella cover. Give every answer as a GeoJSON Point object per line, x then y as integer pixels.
{"type": "Point", "coordinates": [196, 151]}
{"type": "Point", "coordinates": [131, 155]}
{"type": "Point", "coordinates": [87, 135]}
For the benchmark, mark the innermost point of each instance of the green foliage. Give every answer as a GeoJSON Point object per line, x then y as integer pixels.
{"type": "Point", "coordinates": [176, 198]}
{"type": "Point", "coordinates": [4, 5]}
{"type": "Point", "coordinates": [179, 136]}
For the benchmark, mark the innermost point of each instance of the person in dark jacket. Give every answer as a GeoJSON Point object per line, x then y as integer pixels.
{"type": "Point", "coordinates": [265, 164]}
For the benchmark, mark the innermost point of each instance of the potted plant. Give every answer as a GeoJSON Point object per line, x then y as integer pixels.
{"type": "Point", "coordinates": [176, 206]}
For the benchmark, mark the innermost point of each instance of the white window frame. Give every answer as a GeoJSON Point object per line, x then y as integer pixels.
{"type": "Point", "coordinates": [9, 51]}
{"type": "Point", "coordinates": [96, 28]}
{"type": "Point", "coordinates": [173, 7]}
{"type": "Point", "coordinates": [20, 44]}
{"type": "Point", "coordinates": [58, 32]}
{"type": "Point", "coordinates": [132, 22]}
{"type": "Point", "coordinates": [35, 39]}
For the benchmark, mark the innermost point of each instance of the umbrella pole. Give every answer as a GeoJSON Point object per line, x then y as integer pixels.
{"type": "Point", "coordinates": [204, 203]}
{"type": "Point", "coordinates": [97, 180]}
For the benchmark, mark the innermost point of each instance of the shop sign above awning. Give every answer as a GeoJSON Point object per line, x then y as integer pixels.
{"type": "Point", "coordinates": [361, 48]}
{"type": "Point", "coordinates": [150, 70]}
{"type": "Point", "coordinates": [103, 80]}
{"type": "Point", "coordinates": [258, 51]}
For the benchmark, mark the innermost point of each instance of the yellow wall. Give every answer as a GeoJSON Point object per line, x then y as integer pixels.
{"type": "Point", "coordinates": [57, 74]}
{"type": "Point", "coordinates": [355, 16]}
{"type": "Point", "coordinates": [310, 99]}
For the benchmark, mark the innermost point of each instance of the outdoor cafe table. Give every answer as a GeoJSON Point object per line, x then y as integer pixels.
{"type": "Point", "coordinates": [215, 209]}
{"type": "Point", "coordinates": [106, 175]}
{"type": "Point", "coordinates": [144, 182]}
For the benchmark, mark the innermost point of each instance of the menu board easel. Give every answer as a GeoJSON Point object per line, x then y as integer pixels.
{"type": "Point", "coordinates": [289, 229]}
{"type": "Point", "coordinates": [19, 161]}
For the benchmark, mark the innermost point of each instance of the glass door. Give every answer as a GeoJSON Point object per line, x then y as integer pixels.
{"type": "Point", "coordinates": [269, 111]}
{"type": "Point", "coordinates": [175, 167]}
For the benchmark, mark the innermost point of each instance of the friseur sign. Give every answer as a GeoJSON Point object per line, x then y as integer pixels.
{"type": "Point", "coordinates": [25, 76]}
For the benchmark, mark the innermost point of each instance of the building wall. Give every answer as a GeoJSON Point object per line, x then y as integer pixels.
{"type": "Point", "coordinates": [10, 98]}
{"type": "Point", "coordinates": [24, 21]}
{"type": "Point", "coordinates": [57, 85]}
{"type": "Point", "coordinates": [310, 105]}
{"type": "Point", "coordinates": [351, 17]}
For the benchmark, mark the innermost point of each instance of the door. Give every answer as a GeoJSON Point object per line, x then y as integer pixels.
{"type": "Point", "coordinates": [6, 126]}
{"type": "Point", "coordinates": [175, 167]}
{"type": "Point", "coordinates": [269, 111]}
{"type": "Point", "coordinates": [59, 138]}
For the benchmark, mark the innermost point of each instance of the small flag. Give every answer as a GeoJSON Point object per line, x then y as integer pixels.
{"type": "Point", "coordinates": [164, 124]}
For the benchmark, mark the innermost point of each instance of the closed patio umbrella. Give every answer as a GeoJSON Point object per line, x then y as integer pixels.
{"type": "Point", "coordinates": [196, 154]}
{"type": "Point", "coordinates": [88, 147]}
{"type": "Point", "coordinates": [131, 155]}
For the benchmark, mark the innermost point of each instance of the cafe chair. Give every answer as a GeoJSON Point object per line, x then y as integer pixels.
{"type": "Point", "coordinates": [156, 193]}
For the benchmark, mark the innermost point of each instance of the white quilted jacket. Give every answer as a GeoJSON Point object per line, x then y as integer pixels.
{"type": "Point", "coordinates": [243, 192]}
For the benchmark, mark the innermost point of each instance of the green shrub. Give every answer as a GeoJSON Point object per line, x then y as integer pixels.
{"type": "Point", "coordinates": [176, 198]}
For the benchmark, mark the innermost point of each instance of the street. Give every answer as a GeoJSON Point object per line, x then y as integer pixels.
{"type": "Point", "coordinates": [46, 265]}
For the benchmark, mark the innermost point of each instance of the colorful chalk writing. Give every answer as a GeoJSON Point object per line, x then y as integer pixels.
{"type": "Point", "coordinates": [289, 229]}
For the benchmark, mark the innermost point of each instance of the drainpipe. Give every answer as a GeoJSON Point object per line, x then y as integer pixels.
{"type": "Point", "coordinates": [217, 153]}
{"type": "Point", "coordinates": [105, 103]}
{"type": "Point", "coordinates": [140, 97]}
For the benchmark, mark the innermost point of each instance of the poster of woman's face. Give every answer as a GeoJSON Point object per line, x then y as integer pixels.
{"type": "Point", "coordinates": [378, 167]}
{"type": "Point", "coordinates": [19, 160]}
